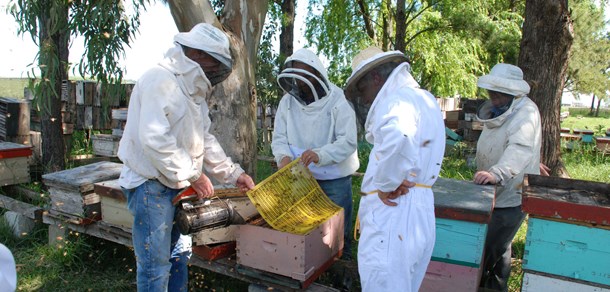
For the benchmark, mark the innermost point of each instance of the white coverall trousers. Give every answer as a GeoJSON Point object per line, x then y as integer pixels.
{"type": "Point", "coordinates": [396, 243]}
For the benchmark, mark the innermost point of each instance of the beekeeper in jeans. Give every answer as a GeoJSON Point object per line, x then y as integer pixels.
{"type": "Point", "coordinates": [314, 121]}
{"type": "Point", "coordinates": [405, 126]}
{"type": "Point", "coordinates": [165, 147]}
{"type": "Point", "coordinates": [508, 148]}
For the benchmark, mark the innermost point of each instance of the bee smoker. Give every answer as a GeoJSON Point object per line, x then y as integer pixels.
{"type": "Point", "coordinates": [194, 216]}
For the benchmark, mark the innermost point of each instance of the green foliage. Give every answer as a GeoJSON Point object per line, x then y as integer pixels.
{"type": "Point", "coordinates": [267, 68]}
{"type": "Point", "coordinates": [105, 25]}
{"type": "Point", "coordinates": [449, 42]}
{"type": "Point", "coordinates": [588, 69]}
{"type": "Point", "coordinates": [264, 169]}
{"type": "Point", "coordinates": [81, 142]}
{"type": "Point", "coordinates": [458, 164]}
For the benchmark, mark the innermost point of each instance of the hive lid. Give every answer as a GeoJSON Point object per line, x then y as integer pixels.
{"type": "Point", "coordinates": [81, 179]}
{"type": "Point", "coordinates": [12, 150]}
{"type": "Point", "coordinates": [292, 201]}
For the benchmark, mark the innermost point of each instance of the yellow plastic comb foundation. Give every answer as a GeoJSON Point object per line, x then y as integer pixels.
{"type": "Point", "coordinates": [292, 201]}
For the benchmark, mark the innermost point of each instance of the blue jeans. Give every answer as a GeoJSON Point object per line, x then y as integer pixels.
{"type": "Point", "coordinates": [340, 192]}
{"type": "Point", "coordinates": [162, 253]}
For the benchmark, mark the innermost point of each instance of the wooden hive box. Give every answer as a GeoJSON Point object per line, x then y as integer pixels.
{"type": "Point", "coordinates": [568, 230]}
{"type": "Point", "coordinates": [14, 120]}
{"type": "Point", "coordinates": [462, 210]}
{"type": "Point", "coordinates": [72, 191]}
{"type": "Point", "coordinates": [14, 166]}
{"type": "Point", "coordinates": [113, 203]}
{"type": "Point", "coordinates": [578, 252]}
{"type": "Point", "coordinates": [534, 282]}
{"type": "Point", "coordinates": [573, 200]}
{"type": "Point", "coordinates": [603, 144]}
{"type": "Point", "coordinates": [105, 145]}
{"type": "Point", "coordinates": [300, 257]}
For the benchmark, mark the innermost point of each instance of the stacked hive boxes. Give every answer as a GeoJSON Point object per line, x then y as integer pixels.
{"type": "Point", "coordinates": [72, 191]}
{"type": "Point", "coordinates": [463, 210]}
{"type": "Point", "coordinates": [108, 145]}
{"type": "Point", "coordinates": [14, 120]}
{"type": "Point", "coordinates": [14, 167]}
{"type": "Point", "coordinates": [470, 127]}
{"type": "Point", "coordinates": [567, 246]}
{"type": "Point", "coordinates": [113, 204]}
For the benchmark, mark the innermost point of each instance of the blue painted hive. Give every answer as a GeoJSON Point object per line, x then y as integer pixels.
{"type": "Point", "coordinates": [568, 236]}
{"type": "Point", "coordinates": [462, 211]}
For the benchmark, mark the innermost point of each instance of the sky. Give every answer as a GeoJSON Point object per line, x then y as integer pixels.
{"type": "Point", "coordinates": [157, 30]}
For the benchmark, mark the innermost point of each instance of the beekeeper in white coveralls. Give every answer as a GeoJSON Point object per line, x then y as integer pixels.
{"type": "Point", "coordinates": [509, 147]}
{"type": "Point", "coordinates": [406, 128]}
{"type": "Point", "coordinates": [314, 121]}
{"type": "Point", "coordinates": [165, 147]}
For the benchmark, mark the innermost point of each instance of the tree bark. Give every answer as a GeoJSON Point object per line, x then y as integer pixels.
{"type": "Point", "coordinates": [545, 46]}
{"type": "Point", "coordinates": [401, 26]}
{"type": "Point", "coordinates": [233, 102]}
{"type": "Point", "coordinates": [387, 25]}
{"type": "Point", "coordinates": [592, 104]}
{"type": "Point", "coordinates": [53, 43]}
{"type": "Point", "coordinates": [287, 33]}
{"type": "Point", "coordinates": [599, 103]}
{"type": "Point", "coordinates": [368, 22]}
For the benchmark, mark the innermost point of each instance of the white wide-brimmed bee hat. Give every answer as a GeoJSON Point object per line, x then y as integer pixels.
{"type": "Point", "coordinates": [505, 78]}
{"type": "Point", "coordinates": [366, 60]}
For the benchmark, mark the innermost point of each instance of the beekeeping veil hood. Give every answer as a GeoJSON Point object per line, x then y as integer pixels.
{"type": "Point", "coordinates": [214, 42]}
{"type": "Point", "coordinates": [289, 77]}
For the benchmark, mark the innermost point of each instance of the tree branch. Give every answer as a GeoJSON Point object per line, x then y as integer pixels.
{"type": "Point", "coordinates": [368, 23]}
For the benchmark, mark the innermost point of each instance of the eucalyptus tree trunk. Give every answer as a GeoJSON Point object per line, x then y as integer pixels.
{"type": "Point", "coordinates": [545, 46]}
{"type": "Point", "coordinates": [233, 102]}
{"type": "Point", "coordinates": [401, 26]}
{"type": "Point", "coordinates": [287, 33]}
{"type": "Point", "coordinates": [53, 62]}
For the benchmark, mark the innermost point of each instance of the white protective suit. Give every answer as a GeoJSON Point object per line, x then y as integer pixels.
{"type": "Point", "coordinates": [327, 126]}
{"type": "Point", "coordinates": [406, 128]}
{"type": "Point", "coordinates": [8, 272]}
{"type": "Point", "coordinates": [509, 147]}
{"type": "Point", "coordinates": [167, 132]}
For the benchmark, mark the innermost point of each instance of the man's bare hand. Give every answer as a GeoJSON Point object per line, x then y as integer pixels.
{"type": "Point", "coordinates": [386, 198]}
{"type": "Point", "coordinates": [401, 190]}
{"type": "Point", "coordinates": [484, 177]}
{"type": "Point", "coordinates": [203, 187]}
{"type": "Point", "coordinates": [244, 182]}
{"type": "Point", "coordinates": [309, 156]}
{"type": "Point", "coordinates": [284, 162]}
{"type": "Point", "coordinates": [544, 170]}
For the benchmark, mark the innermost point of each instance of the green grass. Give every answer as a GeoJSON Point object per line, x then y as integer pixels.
{"type": "Point", "coordinates": [580, 118]}
{"type": "Point", "coordinates": [586, 163]}
{"type": "Point", "coordinates": [79, 263]}
{"type": "Point", "coordinates": [598, 125]}
{"type": "Point", "coordinates": [13, 87]}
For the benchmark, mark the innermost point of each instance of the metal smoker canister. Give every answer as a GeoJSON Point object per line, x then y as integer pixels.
{"type": "Point", "coordinates": [196, 216]}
